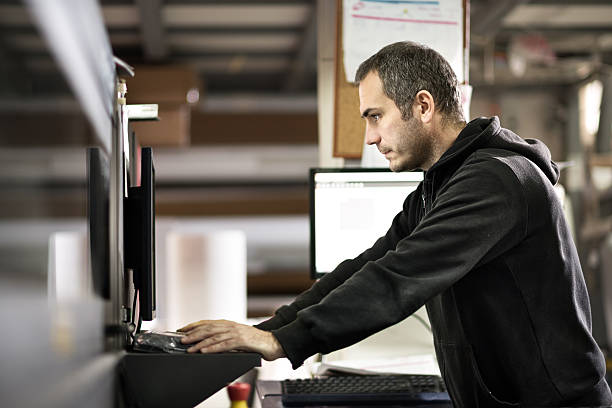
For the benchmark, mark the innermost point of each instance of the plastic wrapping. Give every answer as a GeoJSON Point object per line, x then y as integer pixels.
{"type": "Point", "coordinates": [156, 342]}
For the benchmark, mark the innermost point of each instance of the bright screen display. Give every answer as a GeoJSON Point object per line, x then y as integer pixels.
{"type": "Point", "coordinates": [351, 210]}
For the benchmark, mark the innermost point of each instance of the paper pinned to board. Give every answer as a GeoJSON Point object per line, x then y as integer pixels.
{"type": "Point", "coordinates": [369, 25]}
{"type": "Point", "coordinates": [417, 364]}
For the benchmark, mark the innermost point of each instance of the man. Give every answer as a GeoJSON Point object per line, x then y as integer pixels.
{"type": "Point", "coordinates": [482, 242]}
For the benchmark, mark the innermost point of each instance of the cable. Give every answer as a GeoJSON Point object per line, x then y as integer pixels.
{"type": "Point", "coordinates": [134, 304]}
{"type": "Point", "coordinates": [132, 329]}
{"type": "Point", "coordinates": [139, 324]}
{"type": "Point", "coordinates": [422, 321]}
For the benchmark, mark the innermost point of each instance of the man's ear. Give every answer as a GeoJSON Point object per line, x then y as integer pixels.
{"type": "Point", "coordinates": [424, 106]}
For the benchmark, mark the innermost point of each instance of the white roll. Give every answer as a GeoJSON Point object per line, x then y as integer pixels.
{"type": "Point", "coordinates": [206, 277]}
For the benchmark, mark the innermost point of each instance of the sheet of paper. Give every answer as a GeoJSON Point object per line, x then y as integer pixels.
{"type": "Point", "coordinates": [368, 25]}
{"type": "Point", "coordinates": [418, 364]}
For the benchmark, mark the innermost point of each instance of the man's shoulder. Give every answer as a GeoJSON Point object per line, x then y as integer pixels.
{"type": "Point", "coordinates": [513, 170]}
{"type": "Point", "coordinates": [501, 160]}
{"type": "Point", "coordinates": [493, 153]}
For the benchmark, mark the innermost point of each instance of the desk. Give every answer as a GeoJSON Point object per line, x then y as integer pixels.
{"type": "Point", "coordinates": [269, 394]}
{"type": "Point", "coordinates": [179, 380]}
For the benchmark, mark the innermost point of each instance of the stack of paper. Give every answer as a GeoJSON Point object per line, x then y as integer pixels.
{"type": "Point", "coordinates": [418, 364]}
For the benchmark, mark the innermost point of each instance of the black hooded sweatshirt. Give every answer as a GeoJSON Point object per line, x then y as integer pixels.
{"type": "Point", "coordinates": [483, 243]}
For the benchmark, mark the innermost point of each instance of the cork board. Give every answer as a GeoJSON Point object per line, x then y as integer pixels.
{"type": "Point", "coordinates": [349, 127]}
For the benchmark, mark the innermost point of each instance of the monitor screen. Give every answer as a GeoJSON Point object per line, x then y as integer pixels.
{"type": "Point", "coordinates": [98, 196]}
{"type": "Point", "coordinates": [350, 209]}
{"type": "Point", "coordinates": [139, 235]}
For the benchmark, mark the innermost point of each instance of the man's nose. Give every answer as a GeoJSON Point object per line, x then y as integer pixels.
{"type": "Point", "coordinates": [372, 137]}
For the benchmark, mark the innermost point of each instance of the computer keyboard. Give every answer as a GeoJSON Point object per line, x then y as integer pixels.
{"type": "Point", "coordinates": [365, 390]}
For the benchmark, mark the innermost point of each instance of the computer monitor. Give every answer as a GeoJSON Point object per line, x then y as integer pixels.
{"type": "Point", "coordinates": [139, 235]}
{"type": "Point", "coordinates": [350, 208]}
{"type": "Point", "coordinates": [98, 196]}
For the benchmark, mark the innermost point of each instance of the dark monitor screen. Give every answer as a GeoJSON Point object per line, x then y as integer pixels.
{"type": "Point", "coordinates": [139, 235]}
{"type": "Point", "coordinates": [98, 196]}
{"type": "Point", "coordinates": [350, 208]}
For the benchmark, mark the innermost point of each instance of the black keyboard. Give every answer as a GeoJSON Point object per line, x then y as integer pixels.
{"type": "Point", "coordinates": [365, 390]}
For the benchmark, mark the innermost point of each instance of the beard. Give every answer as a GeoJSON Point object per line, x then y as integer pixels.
{"type": "Point", "coordinates": [413, 148]}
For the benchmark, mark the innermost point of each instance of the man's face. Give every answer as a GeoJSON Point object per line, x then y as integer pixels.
{"type": "Point", "coordinates": [405, 143]}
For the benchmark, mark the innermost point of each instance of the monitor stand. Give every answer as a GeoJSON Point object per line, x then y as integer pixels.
{"type": "Point", "coordinates": [179, 380]}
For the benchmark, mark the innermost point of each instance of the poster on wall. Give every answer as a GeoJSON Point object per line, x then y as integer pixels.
{"type": "Point", "coordinates": [369, 25]}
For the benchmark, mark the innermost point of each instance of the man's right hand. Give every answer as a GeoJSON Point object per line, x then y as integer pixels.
{"type": "Point", "coordinates": [215, 336]}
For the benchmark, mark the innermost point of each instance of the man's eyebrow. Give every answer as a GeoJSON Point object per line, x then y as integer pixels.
{"type": "Point", "coordinates": [367, 112]}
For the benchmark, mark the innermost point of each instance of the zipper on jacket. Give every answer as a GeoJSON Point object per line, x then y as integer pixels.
{"type": "Point", "coordinates": [424, 194]}
{"type": "Point", "coordinates": [423, 197]}
{"type": "Point", "coordinates": [427, 192]}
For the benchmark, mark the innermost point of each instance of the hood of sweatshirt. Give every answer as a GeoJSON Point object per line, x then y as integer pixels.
{"type": "Point", "coordinates": [486, 133]}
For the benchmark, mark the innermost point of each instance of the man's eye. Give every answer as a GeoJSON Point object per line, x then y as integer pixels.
{"type": "Point", "coordinates": [376, 117]}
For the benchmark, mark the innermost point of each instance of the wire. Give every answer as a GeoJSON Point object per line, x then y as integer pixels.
{"type": "Point", "coordinates": [422, 321]}
{"type": "Point", "coordinates": [133, 333]}
{"type": "Point", "coordinates": [134, 304]}
{"type": "Point", "coordinates": [139, 324]}
{"type": "Point", "coordinates": [136, 294]}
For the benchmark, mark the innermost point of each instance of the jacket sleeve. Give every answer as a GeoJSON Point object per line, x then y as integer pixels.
{"type": "Point", "coordinates": [477, 216]}
{"type": "Point", "coordinates": [403, 223]}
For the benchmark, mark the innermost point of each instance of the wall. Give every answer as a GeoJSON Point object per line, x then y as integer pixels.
{"type": "Point", "coordinates": [533, 114]}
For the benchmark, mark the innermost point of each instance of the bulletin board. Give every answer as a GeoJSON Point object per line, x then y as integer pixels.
{"type": "Point", "coordinates": [370, 24]}
{"type": "Point", "coordinates": [349, 127]}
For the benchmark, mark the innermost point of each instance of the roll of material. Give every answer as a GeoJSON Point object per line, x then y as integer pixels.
{"type": "Point", "coordinates": [205, 277]}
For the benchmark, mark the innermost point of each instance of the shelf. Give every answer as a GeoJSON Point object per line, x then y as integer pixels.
{"type": "Point", "coordinates": [179, 380]}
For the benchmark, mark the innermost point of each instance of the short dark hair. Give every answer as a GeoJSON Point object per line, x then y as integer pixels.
{"type": "Point", "coordinates": [405, 68]}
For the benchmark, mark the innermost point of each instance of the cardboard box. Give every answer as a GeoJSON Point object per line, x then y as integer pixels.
{"type": "Point", "coordinates": [167, 84]}
{"type": "Point", "coordinates": [172, 129]}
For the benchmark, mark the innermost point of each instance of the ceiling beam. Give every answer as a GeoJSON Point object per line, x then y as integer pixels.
{"type": "Point", "coordinates": [570, 2]}
{"type": "Point", "coordinates": [487, 19]}
{"type": "Point", "coordinates": [152, 29]}
{"type": "Point", "coordinates": [14, 78]}
{"type": "Point", "coordinates": [292, 31]}
{"type": "Point", "coordinates": [305, 59]}
{"type": "Point", "coordinates": [556, 30]}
